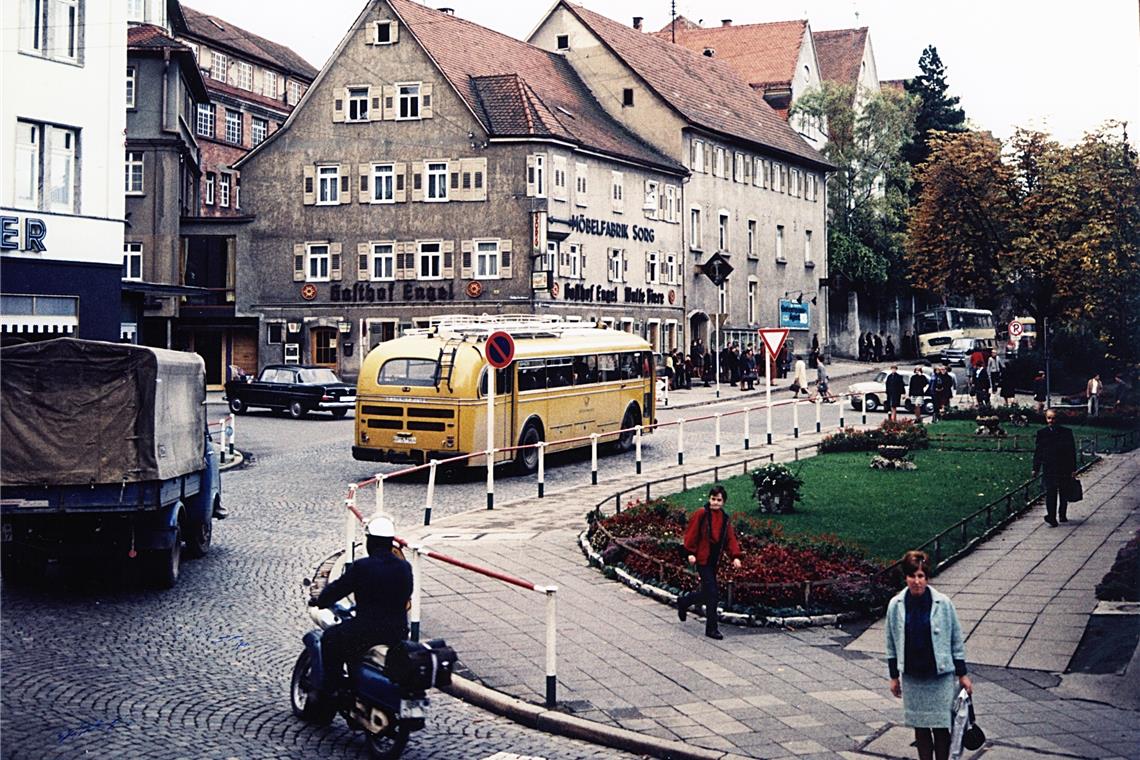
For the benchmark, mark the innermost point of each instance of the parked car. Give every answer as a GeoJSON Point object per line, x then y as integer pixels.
{"type": "Point", "coordinates": [294, 388]}
{"type": "Point", "coordinates": [959, 349]}
{"type": "Point", "coordinates": [876, 392]}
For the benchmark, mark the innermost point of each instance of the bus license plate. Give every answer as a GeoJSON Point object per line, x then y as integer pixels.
{"type": "Point", "coordinates": [405, 438]}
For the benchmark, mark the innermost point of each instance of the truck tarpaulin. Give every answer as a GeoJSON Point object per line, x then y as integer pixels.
{"type": "Point", "coordinates": [75, 412]}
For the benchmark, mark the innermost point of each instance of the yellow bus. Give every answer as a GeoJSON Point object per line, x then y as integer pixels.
{"type": "Point", "coordinates": [423, 396]}
{"type": "Point", "coordinates": [939, 328]}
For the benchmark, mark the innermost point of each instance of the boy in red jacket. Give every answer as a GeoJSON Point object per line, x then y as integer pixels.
{"type": "Point", "coordinates": [708, 535]}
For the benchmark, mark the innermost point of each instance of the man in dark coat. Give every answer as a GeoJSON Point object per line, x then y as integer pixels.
{"type": "Point", "coordinates": [896, 388]}
{"type": "Point", "coordinates": [382, 585]}
{"type": "Point", "coordinates": [1055, 457]}
{"type": "Point", "coordinates": [918, 384]}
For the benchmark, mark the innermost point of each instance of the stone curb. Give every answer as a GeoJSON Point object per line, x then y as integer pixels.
{"type": "Point", "coordinates": [732, 618]}
{"type": "Point", "coordinates": [554, 722]}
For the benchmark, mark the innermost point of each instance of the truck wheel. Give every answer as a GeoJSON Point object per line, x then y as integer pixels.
{"type": "Point", "coordinates": [297, 410]}
{"type": "Point", "coordinates": [625, 440]}
{"type": "Point", "coordinates": [389, 744]}
{"type": "Point", "coordinates": [164, 564]}
{"type": "Point", "coordinates": [199, 534]}
{"type": "Point", "coordinates": [237, 406]}
{"type": "Point", "coordinates": [303, 691]}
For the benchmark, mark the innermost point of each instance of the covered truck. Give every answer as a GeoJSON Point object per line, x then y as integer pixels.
{"type": "Point", "coordinates": [104, 449]}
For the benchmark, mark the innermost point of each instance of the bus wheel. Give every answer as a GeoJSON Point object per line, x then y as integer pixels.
{"type": "Point", "coordinates": [526, 460]}
{"type": "Point", "coordinates": [631, 419]}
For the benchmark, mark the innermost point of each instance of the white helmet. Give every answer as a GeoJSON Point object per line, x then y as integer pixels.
{"type": "Point", "coordinates": [381, 526]}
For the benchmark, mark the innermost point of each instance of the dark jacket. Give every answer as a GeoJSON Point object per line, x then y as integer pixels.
{"type": "Point", "coordinates": [1055, 455]}
{"type": "Point", "coordinates": [917, 384]}
{"type": "Point", "coordinates": [382, 586]}
{"type": "Point", "coordinates": [896, 386]}
{"type": "Point", "coordinates": [697, 539]}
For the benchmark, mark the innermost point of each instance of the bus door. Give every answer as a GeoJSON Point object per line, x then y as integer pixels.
{"type": "Point", "coordinates": [586, 378]}
{"type": "Point", "coordinates": [504, 411]}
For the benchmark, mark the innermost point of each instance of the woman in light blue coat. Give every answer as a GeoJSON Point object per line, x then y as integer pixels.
{"type": "Point", "coordinates": [925, 645]}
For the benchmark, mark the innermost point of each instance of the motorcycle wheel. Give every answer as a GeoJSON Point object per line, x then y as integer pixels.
{"type": "Point", "coordinates": [302, 694]}
{"type": "Point", "coordinates": [388, 745]}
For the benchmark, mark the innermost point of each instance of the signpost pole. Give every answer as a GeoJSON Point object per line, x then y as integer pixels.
{"type": "Point", "coordinates": [490, 437]}
{"type": "Point", "coordinates": [718, 354]}
{"type": "Point", "coordinates": [768, 390]}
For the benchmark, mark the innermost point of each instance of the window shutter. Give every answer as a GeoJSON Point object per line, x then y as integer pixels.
{"type": "Point", "coordinates": [338, 105]}
{"type": "Point", "coordinates": [709, 159]}
{"type": "Point", "coordinates": [401, 171]}
{"type": "Point", "coordinates": [394, 34]}
{"type": "Point", "coordinates": [345, 172]}
{"type": "Point", "coordinates": [299, 262]}
{"type": "Point", "coordinates": [531, 190]}
{"type": "Point", "coordinates": [309, 192]}
{"type": "Point", "coordinates": [417, 181]}
{"type": "Point", "coordinates": [364, 171]}
{"type": "Point", "coordinates": [363, 270]}
{"type": "Point", "coordinates": [389, 103]}
{"type": "Point", "coordinates": [375, 95]}
{"type": "Point", "coordinates": [405, 261]}
{"type": "Point", "coordinates": [454, 193]}
{"type": "Point", "coordinates": [448, 249]}
{"type": "Point", "coordinates": [747, 170]}
{"type": "Point", "coordinates": [465, 248]}
{"type": "Point", "coordinates": [505, 260]}
{"type": "Point", "coordinates": [478, 179]}
{"type": "Point", "coordinates": [335, 250]}
{"type": "Point", "coordinates": [624, 266]}
{"type": "Point", "coordinates": [426, 100]}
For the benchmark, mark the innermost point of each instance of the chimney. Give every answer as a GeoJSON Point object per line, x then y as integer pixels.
{"type": "Point", "coordinates": [637, 23]}
{"type": "Point", "coordinates": [726, 22]}
{"type": "Point", "coordinates": [709, 52]}
{"type": "Point", "coordinates": [448, 11]}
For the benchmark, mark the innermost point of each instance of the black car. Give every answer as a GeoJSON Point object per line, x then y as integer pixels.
{"type": "Point", "coordinates": [295, 388]}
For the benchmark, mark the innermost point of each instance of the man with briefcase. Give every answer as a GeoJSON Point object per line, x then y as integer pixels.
{"type": "Point", "coordinates": [1055, 457]}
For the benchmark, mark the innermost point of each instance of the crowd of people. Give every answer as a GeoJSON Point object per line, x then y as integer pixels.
{"type": "Point", "coordinates": [740, 366]}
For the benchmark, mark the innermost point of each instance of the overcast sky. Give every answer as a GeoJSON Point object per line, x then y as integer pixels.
{"type": "Point", "coordinates": [1061, 67]}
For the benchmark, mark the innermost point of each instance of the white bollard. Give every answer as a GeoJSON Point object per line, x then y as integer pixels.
{"type": "Point", "coordinates": [637, 447]}
{"type": "Point", "coordinates": [232, 431]}
{"type": "Point", "coordinates": [864, 408]}
{"type": "Point", "coordinates": [796, 418]}
{"type": "Point", "coordinates": [594, 458]}
{"type": "Point", "coordinates": [717, 440]}
{"type": "Point", "coordinates": [551, 646]}
{"type": "Point", "coordinates": [541, 467]}
{"type": "Point", "coordinates": [490, 478]}
{"type": "Point", "coordinates": [747, 436]}
{"type": "Point", "coordinates": [430, 492]}
{"type": "Point", "coordinates": [681, 441]}
{"type": "Point", "coordinates": [417, 591]}
{"type": "Point", "coordinates": [350, 521]}
{"type": "Point", "coordinates": [841, 425]}
{"type": "Point", "coordinates": [818, 413]}
{"type": "Point", "coordinates": [379, 492]}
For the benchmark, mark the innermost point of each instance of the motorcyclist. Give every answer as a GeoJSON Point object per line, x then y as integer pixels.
{"type": "Point", "coordinates": [382, 585]}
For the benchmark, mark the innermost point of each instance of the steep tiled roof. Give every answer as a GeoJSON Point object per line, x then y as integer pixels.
{"type": "Point", "coordinates": [682, 24]}
{"type": "Point", "coordinates": [761, 53]}
{"type": "Point", "coordinates": [839, 53]}
{"type": "Point", "coordinates": [226, 35]}
{"type": "Point", "coordinates": [705, 91]}
{"type": "Point", "coordinates": [517, 89]}
{"type": "Point", "coordinates": [146, 39]}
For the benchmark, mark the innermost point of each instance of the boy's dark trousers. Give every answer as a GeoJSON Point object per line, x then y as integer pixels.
{"type": "Point", "coordinates": [709, 596]}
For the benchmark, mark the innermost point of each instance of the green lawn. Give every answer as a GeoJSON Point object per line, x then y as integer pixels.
{"type": "Point", "coordinates": [885, 512]}
{"type": "Point", "coordinates": [1022, 437]}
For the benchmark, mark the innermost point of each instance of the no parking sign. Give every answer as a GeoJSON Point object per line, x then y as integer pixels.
{"type": "Point", "coordinates": [500, 349]}
{"type": "Point", "coordinates": [1016, 329]}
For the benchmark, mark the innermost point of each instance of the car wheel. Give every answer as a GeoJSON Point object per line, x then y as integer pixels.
{"type": "Point", "coordinates": [872, 403]}
{"type": "Point", "coordinates": [526, 460]}
{"type": "Point", "coordinates": [339, 414]}
{"type": "Point", "coordinates": [297, 410]}
{"type": "Point", "coordinates": [237, 406]}
{"type": "Point", "coordinates": [199, 534]}
{"type": "Point", "coordinates": [928, 407]}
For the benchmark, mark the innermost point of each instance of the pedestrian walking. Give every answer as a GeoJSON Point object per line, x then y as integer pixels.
{"type": "Point", "coordinates": [1008, 393]}
{"type": "Point", "coordinates": [895, 387]}
{"type": "Point", "coordinates": [877, 346]}
{"type": "Point", "coordinates": [889, 349]}
{"type": "Point", "coordinates": [748, 371]}
{"type": "Point", "coordinates": [1055, 457]}
{"type": "Point", "coordinates": [982, 390]}
{"type": "Point", "coordinates": [926, 657]}
{"type": "Point", "coordinates": [799, 379]}
{"type": "Point", "coordinates": [864, 347]}
{"type": "Point", "coordinates": [813, 356]}
{"type": "Point", "coordinates": [822, 387]}
{"type": "Point", "coordinates": [709, 535]}
{"type": "Point", "coordinates": [1039, 394]}
{"type": "Point", "coordinates": [1093, 391]}
{"type": "Point", "coordinates": [918, 383]}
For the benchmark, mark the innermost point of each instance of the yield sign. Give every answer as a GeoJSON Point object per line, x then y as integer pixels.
{"type": "Point", "coordinates": [773, 338]}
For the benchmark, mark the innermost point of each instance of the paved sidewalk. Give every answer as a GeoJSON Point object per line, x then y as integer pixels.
{"type": "Point", "coordinates": [625, 661]}
{"type": "Point", "coordinates": [840, 371]}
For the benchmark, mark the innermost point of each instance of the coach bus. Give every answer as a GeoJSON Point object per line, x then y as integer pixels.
{"type": "Point", "coordinates": [423, 396]}
{"type": "Point", "coordinates": [940, 327]}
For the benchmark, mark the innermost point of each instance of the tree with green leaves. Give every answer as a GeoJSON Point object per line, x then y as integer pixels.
{"type": "Point", "coordinates": [867, 194]}
{"type": "Point", "coordinates": [936, 111]}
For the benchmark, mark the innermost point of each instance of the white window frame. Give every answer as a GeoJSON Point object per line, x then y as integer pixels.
{"type": "Point", "coordinates": [258, 130]}
{"type": "Point", "coordinates": [652, 268]}
{"type": "Point", "coordinates": [695, 225]}
{"type": "Point", "coordinates": [751, 237]}
{"type": "Point", "coordinates": [538, 167]}
{"type": "Point", "coordinates": [615, 265]}
{"type": "Point", "coordinates": [780, 243]}
{"type": "Point", "coordinates": [617, 191]}
{"type": "Point", "coordinates": [670, 270]}
{"type": "Point", "coordinates": [318, 262]}
{"type": "Point", "coordinates": [753, 292]}
{"type": "Point", "coordinates": [575, 254]}
{"type": "Point", "coordinates": [224, 189]}
{"type": "Point", "coordinates": [132, 262]}
{"type": "Point", "coordinates": [210, 188]}
{"type": "Point", "coordinates": [233, 131]}
{"type": "Point", "coordinates": [136, 10]}
{"type": "Point", "coordinates": [133, 168]}
{"type": "Point", "coordinates": [408, 97]}
{"type": "Point", "coordinates": [424, 260]}
{"type": "Point", "coordinates": [269, 83]}
{"type": "Point", "coordinates": [807, 248]}
{"type": "Point", "coordinates": [380, 172]}
{"type": "Point", "coordinates": [382, 256]}
{"type": "Point", "coordinates": [294, 92]}
{"type": "Point", "coordinates": [243, 75]}
{"type": "Point", "coordinates": [385, 24]}
{"type": "Point", "coordinates": [547, 260]}
{"type": "Point", "coordinates": [723, 232]}
{"type": "Point", "coordinates": [440, 172]}
{"type": "Point", "coordinates": [64, 29]}
{"type": "Point", "coordinates": [697, 155]}
{"type": "Point", "coordinates": [560, 183]}
{"type": "Point", "coordinates": [486, 259]}
{"type": "Point", "coordinates": [29, 146]}
{"type": "Point", "coordinates": [205, 121]}
{"type": "Point", "coordinates": [328, 185]}
{"type": "Point", "coordinates": [581, 184]}
{"type": "Point", "coordinates": [60, 183]}
{"type": "Point", "coordinates": [132, 85]}
{"type": "Point", "coordinates": [222, 61]}
{"type": "Point", "coordinates": [356, 99]}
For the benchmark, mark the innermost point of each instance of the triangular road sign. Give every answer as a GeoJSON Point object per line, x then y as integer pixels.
{"type": "Point", "coordinates": [773, 338]}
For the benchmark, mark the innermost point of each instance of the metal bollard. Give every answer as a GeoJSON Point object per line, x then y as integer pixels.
{"type": "Point", "coordinates": [594, 458]}
{"type": "Point", "coordinates": [818, 414]}
{"type": "Point", "coordinates": [430, 492]}
{"type": "Point", "coordinates": [864, 408]}
{"type": "Point", "coordinates": [747, 441]}
{"type": "Point", "coordinates": [796, 418]}
{"type": "Point", "coordinates": [541, 468]}
{"type": "Point", "coordinates": [637, 447]}
{"type": "Point", "coordinates": [551, 646]}
{"type": "Point", "coordinates": [681, 441]}
{"type": "Point", "coordinates": [417, 591]}
{"type": "Point", "coordinates": [718, 434]}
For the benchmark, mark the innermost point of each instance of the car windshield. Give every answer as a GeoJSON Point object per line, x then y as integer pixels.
{"type": "Point", "coordinates": [881, 377]}
{"type": "Point", "coordinates": [963, 344]}
{"type": "Point", "coordinates": [319, 376]}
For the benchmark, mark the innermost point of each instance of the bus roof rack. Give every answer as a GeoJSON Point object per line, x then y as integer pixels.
{"type": "Point", "coordinates": [478, 326]}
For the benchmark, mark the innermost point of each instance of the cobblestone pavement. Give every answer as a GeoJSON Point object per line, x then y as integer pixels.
{"type": "Point", "coordinates": [93, 664]}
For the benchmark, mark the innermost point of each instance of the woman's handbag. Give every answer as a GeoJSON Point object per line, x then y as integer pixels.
{"type": "Point", "coordinates": [1073, 490]}
{"type": "Point", "coordinates": [965, 733]}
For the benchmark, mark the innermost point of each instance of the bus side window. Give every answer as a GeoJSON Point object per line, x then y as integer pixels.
{"type": "Point", "coordinates": [532, 375]}
{"type": "Point", "coordinates": [558, 373]}
{"type": "Point", "coordinates": [585, 370]}
{"type": "Point", "coordinates": [505, 379]}
{"type": "Point", "coordinates": [607, 367]}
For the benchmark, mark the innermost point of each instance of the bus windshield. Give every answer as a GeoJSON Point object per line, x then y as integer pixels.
{"type": "Point", "coordinates": [422, 372]}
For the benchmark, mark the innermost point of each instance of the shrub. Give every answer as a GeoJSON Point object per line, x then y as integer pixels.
{"type": "Point", "coordinates": [890, 433]}
{"type": "Point", "coordinates": [774, 478]}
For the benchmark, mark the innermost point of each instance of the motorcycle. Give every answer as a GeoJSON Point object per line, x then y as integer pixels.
{"type": "Point", "coordinates": [386, 691]}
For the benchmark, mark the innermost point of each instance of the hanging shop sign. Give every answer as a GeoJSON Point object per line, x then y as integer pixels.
{"type": "Point", "coordinates": [794, 315]}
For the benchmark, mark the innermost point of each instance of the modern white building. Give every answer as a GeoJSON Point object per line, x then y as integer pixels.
{"type": "Point", "coordinates": [63, 64]}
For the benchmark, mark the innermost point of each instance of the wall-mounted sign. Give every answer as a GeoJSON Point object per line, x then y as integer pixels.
{"type": "Point", "coordinates": [598, 294]}
{"type": "Point", "coordinates": [474, 289]}
{"type": "Point", "coordinates": [363, 292]}
{"type": "Point", "coordinates": [540, 280]}
{"type": "Point", "coordinates": [606, 228]}
{"type": "Point", "coordinates": [794, 315]}
{"type": "Point", "coordinates": [538, 232]}
{"type": "Point", "coordinates": [308, 291]}
{"type": "Point", "coordinates": [292, 353]}
{"type": "Point", "coordinates": [28, 236]}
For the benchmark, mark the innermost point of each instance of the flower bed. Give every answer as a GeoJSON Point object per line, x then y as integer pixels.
{"type": "Point", "coordinates": [890, 433]}
{"type": "Point", "coordinates": [779, 575]}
